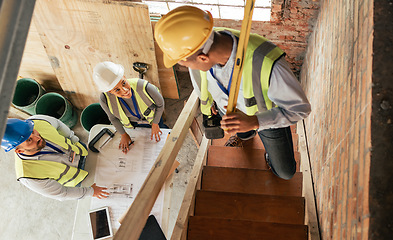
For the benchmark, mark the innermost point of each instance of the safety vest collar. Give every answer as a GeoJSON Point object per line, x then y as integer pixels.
{"type": "Point", "coordinates": [144, 102]}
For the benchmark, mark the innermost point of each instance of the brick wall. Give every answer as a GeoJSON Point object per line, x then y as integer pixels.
{"type": "Point", "coordinates": [337, 76]}
{"type": "Point", "coordinates": [290, 25]}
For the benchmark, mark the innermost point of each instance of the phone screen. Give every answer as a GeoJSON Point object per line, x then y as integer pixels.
{"type": "Point", "coordinates": [100, 224]}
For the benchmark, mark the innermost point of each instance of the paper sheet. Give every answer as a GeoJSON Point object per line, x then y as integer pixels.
{"type": "Point", "coordinates": [124, 174]}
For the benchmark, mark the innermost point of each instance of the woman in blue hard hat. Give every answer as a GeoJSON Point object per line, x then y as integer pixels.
{"type": "Point", "coordinates": [128, 102]}
{"type": "Point", "coordinates": [49, 158]}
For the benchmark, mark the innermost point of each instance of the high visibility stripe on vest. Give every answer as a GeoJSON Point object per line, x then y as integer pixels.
{"type": "Point", "coordinates": [206, 98]}
{"type": "Point", "coordinates": [145, 102]}
{"type": "Point", "coordinates": [117, 110]}
{"type": "Point", "coordinates": [48, 132]}
{"type": "Point", "coordinates": [148, 106]}
{"type": "Point", "coordinates": [41, 169]}
{"type": "Point", "coordinates": [259, 59]}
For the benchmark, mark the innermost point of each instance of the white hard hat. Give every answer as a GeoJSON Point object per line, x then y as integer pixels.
{"type": "Point", "coordinates": [107, 74]}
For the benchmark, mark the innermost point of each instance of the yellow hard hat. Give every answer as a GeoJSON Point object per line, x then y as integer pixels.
{"type": "Point", "coordinates": [182, 32]}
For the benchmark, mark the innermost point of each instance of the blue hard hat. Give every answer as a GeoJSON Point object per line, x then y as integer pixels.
{"type": "Point", "coordinates": [17, 131]}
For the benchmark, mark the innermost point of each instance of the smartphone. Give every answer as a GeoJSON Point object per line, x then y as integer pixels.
{"type": "Point", "coordinates": [100, 223]}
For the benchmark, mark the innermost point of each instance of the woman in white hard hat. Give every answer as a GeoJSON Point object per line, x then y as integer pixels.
{"type": "Point", "coordinates": [128, 102]}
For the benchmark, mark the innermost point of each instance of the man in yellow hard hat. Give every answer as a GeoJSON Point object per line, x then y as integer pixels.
{"type": "Point", "coordinates": [49, 158]}
{"type": "Point", "coordinates": [270, 97]}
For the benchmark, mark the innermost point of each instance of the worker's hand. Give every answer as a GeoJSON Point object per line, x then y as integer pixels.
{"type": "Point", "coordinates": [238, 122]}
{"type": "Point", "coordinates": [156, 132]}
{"type": "Point", "coordinates": [125, 143]}
{"type": "Point", "coordinates": [214, 109]}
{"type": "Point", "coordinates": [99, 191]}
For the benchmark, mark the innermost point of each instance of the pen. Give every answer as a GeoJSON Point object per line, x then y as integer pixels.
{"type": "Point", "coordinates": [73, 157]}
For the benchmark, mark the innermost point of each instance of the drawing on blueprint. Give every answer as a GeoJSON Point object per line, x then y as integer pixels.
{"type": "Point", "coordinates": [120, 190]}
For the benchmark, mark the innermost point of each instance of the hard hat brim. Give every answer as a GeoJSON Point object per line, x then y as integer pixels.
{"type": "Point", "coordinates": [168, 62]}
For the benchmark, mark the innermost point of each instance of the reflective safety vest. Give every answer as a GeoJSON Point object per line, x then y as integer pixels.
{"type": "Point", "coordinates": [41, 169]}
{"type": "Point", "coordinates": [145, 102]}
{"type": "Point", "coordinates": [261, 54]}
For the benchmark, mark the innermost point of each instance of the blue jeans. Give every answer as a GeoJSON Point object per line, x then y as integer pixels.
{"type": "Point", "coordinates": [279, 148]}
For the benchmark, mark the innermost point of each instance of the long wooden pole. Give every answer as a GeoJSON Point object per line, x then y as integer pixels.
{"type": "Point", "coordinates": [240, 54]}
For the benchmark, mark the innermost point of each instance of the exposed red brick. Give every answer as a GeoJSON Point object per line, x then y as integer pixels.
{"type": "Point", "coordinates": [336, 74]}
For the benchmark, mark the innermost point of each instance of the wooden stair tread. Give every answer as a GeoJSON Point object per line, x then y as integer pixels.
{"type": "Point", "coordinates": [253, 181]}
{"type": "Point", "coordinates": [256, 207]}
{"type": "Point", "coordinates": [235, 157]}
{"type": "Point", "coordinates": [256, 141]}
{"type": "Point", "coordinates": [252, 143]}
{"type": "Point", "coordinates": [229, 229]}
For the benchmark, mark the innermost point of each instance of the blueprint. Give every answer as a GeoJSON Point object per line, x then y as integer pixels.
{"type": "Point", "coordinates": [124, 174]}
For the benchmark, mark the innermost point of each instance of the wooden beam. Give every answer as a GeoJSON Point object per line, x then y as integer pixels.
{"type": "Point", "coordinates": [18, 113]}
{"type": "Point", "coordinates": [140, 209]}
{"type": "Point", "coordinates": [311, 218]}
{"type": "Point", "coordinates": [189, 195]}
{"type": "Point", "coordinates": [79, 34]}
{"type": "Point", "coordinates": [167, 76]}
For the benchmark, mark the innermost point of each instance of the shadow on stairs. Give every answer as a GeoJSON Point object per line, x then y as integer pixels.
{"type": "Point", "coordinates": [240, 198]}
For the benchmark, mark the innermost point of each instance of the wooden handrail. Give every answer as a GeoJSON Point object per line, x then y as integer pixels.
{"type": "Point", "coordinates": [189, 195]}
{"type": "Point", "coordinates": [137, 215]}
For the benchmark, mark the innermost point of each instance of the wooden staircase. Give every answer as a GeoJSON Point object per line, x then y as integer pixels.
{"type": "Point", "coordinates": [240, 198]}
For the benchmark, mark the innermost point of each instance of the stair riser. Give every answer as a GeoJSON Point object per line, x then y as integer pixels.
{"type": "Point", "coordinates": [250, 181]}
{"type": "Point", "coordinates": [263, 208]}
{"type": "Point", "coordinates": [210, 228]}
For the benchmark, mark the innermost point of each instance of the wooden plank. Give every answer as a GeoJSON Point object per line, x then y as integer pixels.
{"type": "Point", "coordinates": [256, 141]}
{"type": "Point", "coordinates": [229, 229]}
{"type": "Point", "coordinates": [168, 81]}
{"type": "Point", "coordinates": [196, 132]}
{"type": "Point", "coordinates": [78, 34]}
{"type": "Point", "coordinates": [189, 195]}
{"type": "Point", "coordinates": [221, 156]}
{"type": "Point", "coordinates": [35, 62]}
{"type": "Point", "coordinates": [251, 181]}
{"type": "Point", "coordinates": [235, 157]}
{"type": "Point", "coordinates": [252, 143]}
{"type": "Point", "coordinates": [137, 215]}
{"type": "Point", "coordinates": [254, 207]}
{"type": "Point", "coordinates": [311, 218]}
{"type": "Point", "coordinates": [14, 112]}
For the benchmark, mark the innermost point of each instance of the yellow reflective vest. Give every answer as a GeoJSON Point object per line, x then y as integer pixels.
{"type": "Point", "coordinates": [145, 102]}
{"type": "Point", "coordinates": [261, 54]}
{"type": "Point", "coordinates": [41, 169]}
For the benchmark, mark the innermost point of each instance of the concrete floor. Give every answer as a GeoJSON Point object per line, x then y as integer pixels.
{"type": "Point", "coordinates": [29, 216]}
